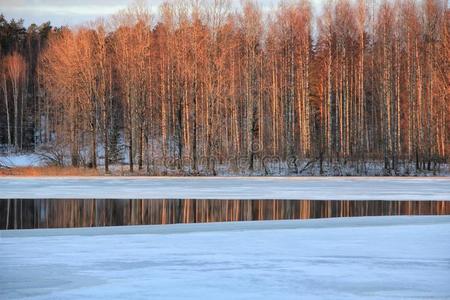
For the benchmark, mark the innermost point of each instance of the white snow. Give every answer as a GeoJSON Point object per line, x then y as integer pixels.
{"type": "Point", "coordinates": [309, 188]}
{"type": "Point", "coordinates": [21, 160]}
{"type": "Point", "coordinates": [369, 258]}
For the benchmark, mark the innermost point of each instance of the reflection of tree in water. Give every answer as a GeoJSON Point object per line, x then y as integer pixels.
{"type": "Point", "coordinates": [88, 213]}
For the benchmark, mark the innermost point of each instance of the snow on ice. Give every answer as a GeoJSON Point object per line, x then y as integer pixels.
{"type": "Point", "coordinates": [371, 258]}
{"type": "Point", "coordinates": [308, 188]}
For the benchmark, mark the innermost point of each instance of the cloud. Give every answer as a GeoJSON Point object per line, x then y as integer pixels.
{"type": "Point", "coordinates": [64, 12]}
{"type": "Point", "coordinates": [59, 12]}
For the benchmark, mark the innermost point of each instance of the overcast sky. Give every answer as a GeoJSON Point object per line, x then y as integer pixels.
{"type": "Point", "coordinates": [61, 12]}
{"type": "Point", "coordinates": [72, 12]}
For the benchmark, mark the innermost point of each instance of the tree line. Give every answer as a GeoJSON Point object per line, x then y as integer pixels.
{"type": "Point", "coordinates": [201, 84]}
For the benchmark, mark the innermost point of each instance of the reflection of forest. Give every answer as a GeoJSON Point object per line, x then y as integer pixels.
{"type": "Point", "coordinates": [89, 213]}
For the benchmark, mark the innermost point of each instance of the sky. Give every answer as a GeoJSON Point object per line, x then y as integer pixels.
{"type": "Point", "coordinates": [64, 12]}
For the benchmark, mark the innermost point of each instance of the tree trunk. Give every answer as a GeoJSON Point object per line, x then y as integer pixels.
{"type": "Point", "coordinates": [8, 123]}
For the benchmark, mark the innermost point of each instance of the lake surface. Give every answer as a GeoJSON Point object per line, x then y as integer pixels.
{"type": "Point", "coordinates": [66, 213]}
{"type": "Point", "coordinates": [345, 258]}
{"type": "Point", "coordinates": [250, 188]}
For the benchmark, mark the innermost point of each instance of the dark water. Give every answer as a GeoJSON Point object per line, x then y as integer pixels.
{"type": "Point", "coordinates": [41, 213]}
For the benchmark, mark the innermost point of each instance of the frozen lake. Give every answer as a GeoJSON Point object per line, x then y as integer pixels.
{"type": "Point", "coordinates": [371, 258]}
{"type": "Point", "coordinates": [311, 188]}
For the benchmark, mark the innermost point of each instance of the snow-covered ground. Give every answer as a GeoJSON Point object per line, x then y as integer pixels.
{"type": "Point", "coordinates": [21, 160]}
{"type": "Point", "coordinates": [310, 188]}
{"type": "Point", "coordinates": [268, 166]}
{"type": "Point", "coordinates": [358, 258]}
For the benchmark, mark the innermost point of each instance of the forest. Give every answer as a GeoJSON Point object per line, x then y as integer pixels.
{"type": "Point", "coordinates": [204, 88]}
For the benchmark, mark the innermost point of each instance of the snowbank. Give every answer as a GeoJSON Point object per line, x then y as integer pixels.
{"type": "Point", "coordinates": [21, 160]}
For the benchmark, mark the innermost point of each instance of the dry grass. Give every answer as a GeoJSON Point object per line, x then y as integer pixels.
{"type": "Point", "coordinates": [49, 171]}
